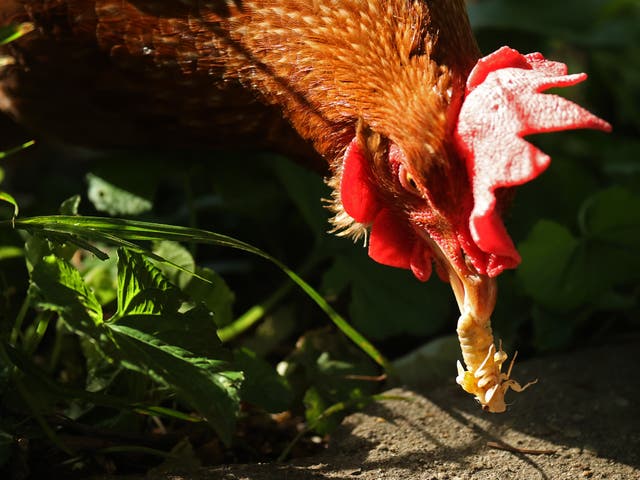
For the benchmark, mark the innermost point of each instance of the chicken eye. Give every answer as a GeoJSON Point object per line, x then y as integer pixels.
{"type": "Point", "coordinates": [407, 181]}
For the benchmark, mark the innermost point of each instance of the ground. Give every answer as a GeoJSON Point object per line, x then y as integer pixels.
{"type": "Point", "coordinates": [581, 421]}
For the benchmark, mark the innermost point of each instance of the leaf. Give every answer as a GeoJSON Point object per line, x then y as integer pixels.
{"type": "Point", "coordinates": [62, 392]}
{"type": "Point", "coordinates": [101, 276]}
{"type": "Point", "coordinates": [214, 293]}
{"type": "Point", "coordinates": [62, 289]}
{"type": "Point", "coordinates": [539, 199]}
{"type": "Point", "coordinates": [70, 206]}
{"type": "Point", "coordinates": [263, 386]}
{"type": "Point", "coordinates": [554, 270]}
{"type": "Point", "coordinates": [107, 197]}
{"type": "Point", "coordinates": [175, 254]}
{"type": "Point", "coordinates": [552, 330]}
{"type": "Point", "coordinates": [142, 289]}
{"type": "Point", "coordinates": [7, 252]}
{"type": "Point", "coordinates": [578, 21]}
{"type": "Point", "coordinates": [612, 216]}
{"type": "Point", "coordinates": [5, 197]}
{"type": "Point", "coordinates": [199, 284]}
{"type": "Point", "coordinates": [9, 33]}
{"type": "Point", "coordinates": [610, 221]}
{"type": "Point", "coordinates": [205, 383]}
{"type": "Point", "coordinates": [181, 350]}
{"type": "Point", "coordinates": [315, 406]}
{"type": "Point", "coordinates": [563, 272]}
{"type": "Point", "coordinates": [386, 302]}
{"type": "Point", "coordinates": [123, 232]}
{"type": "Point", "coordinates": [305, 188]}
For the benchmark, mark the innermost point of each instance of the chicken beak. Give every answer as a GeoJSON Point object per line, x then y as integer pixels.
{"type": "Point", "coordinates": [475, 293]}
{"type": "Point", "coordinates": [476, 297]}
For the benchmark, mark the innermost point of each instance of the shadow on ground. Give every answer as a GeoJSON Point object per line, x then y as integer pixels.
{"type": "Point", "coordinates": [580, 421]}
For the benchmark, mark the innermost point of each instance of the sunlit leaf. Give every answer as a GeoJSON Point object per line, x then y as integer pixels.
{"type": "Point", "coordinates": [62, 289]}
{"type": "Point", "coordinates": [5, 197]}
{"type": "Point", "coordinates": [123, 232]}
{"type": "Point", "coordinates": [204, 383]}
{"type": "Point", "coordinates": [7, 252]}
{"type": "Point", "coordinates": [9, 33]}
{"type": "Point", "coordinates": [181, 350]}
{"type": "Point", "coordinates": [142, 289]}
{"type": "Point", "coordinates": [107, 197]}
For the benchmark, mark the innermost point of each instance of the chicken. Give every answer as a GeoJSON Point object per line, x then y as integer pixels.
{"type": "Point", "coordinates": [421, 136]}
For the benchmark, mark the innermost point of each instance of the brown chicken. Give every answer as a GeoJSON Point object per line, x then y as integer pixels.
{"type": "Point", "coordinates": [421, 137]}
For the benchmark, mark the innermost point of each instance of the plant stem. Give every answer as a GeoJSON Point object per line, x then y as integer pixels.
{"type": "Point", "coordinates": [33, 341]}
{"type": "Point", "coordinates": [254, 314]}
{"type": "Point", "coordinates": [17, 325]}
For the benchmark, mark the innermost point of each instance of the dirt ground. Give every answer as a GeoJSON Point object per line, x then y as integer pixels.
{"type": "Point", "coordinates": [581, 421]}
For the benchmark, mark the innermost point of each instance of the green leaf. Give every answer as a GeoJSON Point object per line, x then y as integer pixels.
{"type": "Point", "coordinates": [263, 386]}
{"type": "Point", "coordinates": [19, 148]}
{"type": "Point", "coordinates": [10, 33]}
{"type": "Point", "coordinates": [553, 331]}
{"type": "Point", "coordinates": [213, 292]}
{"type": "Point", "coordinates": [539, 199]}
{"type": "Point", "coordinates": [7, 252]}
{"type": "Point", "coordinates": [5, 197]}
{"type": "Point", "coordinates": [175, 255]}
{"type": "Point", "coordinates": [107, 197]}
{"type": "Point", "coordinates": [554, 269]}
{"type": "Point", "coordinates": [205, 286]}
{"type": "Point", "coordinates": [563, 272]}
{"type": "Point", "coordinates": [101, 276]}
{"type": "Point", "coordinates": [62, 289]}
{"type": "Point", "coordinates": [48, 387]}
{"type": "Point", "coordinates": [70, 206]}
{"type": "Point", "coordinates": [387, 302]}
{"type": "Point", "coordinates": [306, 189]}
{"type": "Point", "coordinates": [181, 350]}
{"type": "Point", "coordinates": [142, 289]}
{"type": "Point", "coordinates": [610, 221]}
{"type": "Point", "coordinates": [123, 232]}
{"type": "Point", "coordinates": [578, 21]}
{"type": "Point", "coordinates": [205, 383]}
{"type": "Point", "coordinates": [612, 216]}
{"type": "Point", "coordinates": [315, 406]}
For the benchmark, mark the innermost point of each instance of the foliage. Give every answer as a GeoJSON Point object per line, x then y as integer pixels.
{"type": "Point", "coordinates": [130, 325]}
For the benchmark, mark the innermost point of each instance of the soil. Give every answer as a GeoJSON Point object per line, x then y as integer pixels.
{"type": "Point", "coordinates": [581, 421]}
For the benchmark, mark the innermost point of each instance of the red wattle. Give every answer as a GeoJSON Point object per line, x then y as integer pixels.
{"type": "Point", "coordinates": [391, 241]}
{"type": "Point", "coordinates": [421, 264]}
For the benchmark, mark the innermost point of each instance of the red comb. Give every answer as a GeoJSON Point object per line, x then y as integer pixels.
{"type": "Point", "coordinates": [504, 102]}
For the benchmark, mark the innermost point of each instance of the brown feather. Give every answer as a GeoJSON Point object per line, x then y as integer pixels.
{"type": "Point", "coordinates": [118, 72]}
